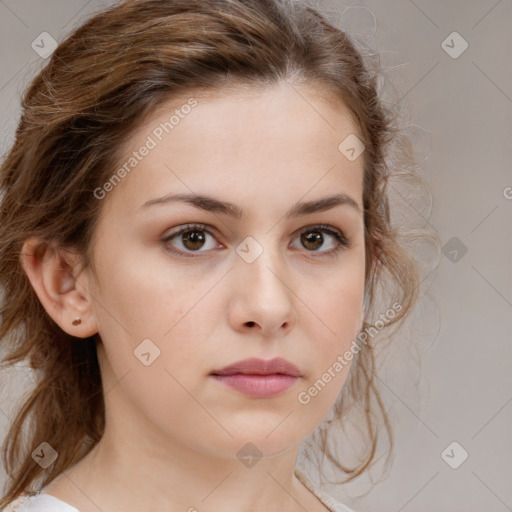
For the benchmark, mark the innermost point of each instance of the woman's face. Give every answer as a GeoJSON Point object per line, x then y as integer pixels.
{"type": "Point", "coordinates": [243, 282]}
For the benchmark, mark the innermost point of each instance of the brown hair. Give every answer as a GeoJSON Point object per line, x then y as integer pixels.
{"type": "Point", "coordinates": [101, 82]}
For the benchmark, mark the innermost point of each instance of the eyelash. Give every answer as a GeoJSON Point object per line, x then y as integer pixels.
{"type": "Point", "coordinates": [343, 242]}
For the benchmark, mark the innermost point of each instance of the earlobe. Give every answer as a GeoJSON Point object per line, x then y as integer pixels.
{"type": "Point", "coordinates": [52, 274]}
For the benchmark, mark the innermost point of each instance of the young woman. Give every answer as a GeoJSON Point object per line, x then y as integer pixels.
{"type": "Point", "coordinates": [193, 232]}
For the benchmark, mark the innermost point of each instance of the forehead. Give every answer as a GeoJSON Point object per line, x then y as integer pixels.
{"type": "Point", "coordinates": [285, 137]}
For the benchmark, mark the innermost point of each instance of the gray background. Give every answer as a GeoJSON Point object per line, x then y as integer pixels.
{"type": "Point", "coordinates": [460, 111]}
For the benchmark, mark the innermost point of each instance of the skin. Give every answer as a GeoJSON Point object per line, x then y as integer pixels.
{"type": "Point", "coordinates": [172, 432]}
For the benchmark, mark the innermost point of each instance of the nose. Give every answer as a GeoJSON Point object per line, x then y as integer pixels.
{"type": "Point", "coordinates": [262, 297]}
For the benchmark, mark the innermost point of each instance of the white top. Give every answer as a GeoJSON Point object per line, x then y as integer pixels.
{"type": "Point", "coordinates": [42, 502]}
{"type": "Point", "coordinates": [39, 502]}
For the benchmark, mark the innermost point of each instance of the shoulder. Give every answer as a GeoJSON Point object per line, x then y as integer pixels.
{"type": "Point", "coordinates": [38, 502]}
{"type": "Point", "coordinates": [18, 504]}
{"type": "Point", "coordinates": [332, 504]}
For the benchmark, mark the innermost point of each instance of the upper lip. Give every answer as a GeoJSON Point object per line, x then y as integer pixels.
{"type": "Point", "coordinates": [255, 366]}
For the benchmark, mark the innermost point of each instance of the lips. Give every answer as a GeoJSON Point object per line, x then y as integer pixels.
{"type": "Point", "coordinates": [255, 366]}
{"type": "Point", "coordinates": [259, 378]}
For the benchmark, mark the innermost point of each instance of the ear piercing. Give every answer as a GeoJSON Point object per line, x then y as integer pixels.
{"type": "Point", "coordinates": [77, 321]}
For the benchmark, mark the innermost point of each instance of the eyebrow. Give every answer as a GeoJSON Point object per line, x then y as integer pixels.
{"type": "Point", "coordinates": [211, 204]}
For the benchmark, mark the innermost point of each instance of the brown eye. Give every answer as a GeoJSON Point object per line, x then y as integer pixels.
{"type": "Point", "coordinates": [324, 240]}
{"type": "Point", "coordinates": [312, 240]}
{"type": "Point", "coordinates": [189, 239]}
{"type": "Point", "coordinates": [193, 240]}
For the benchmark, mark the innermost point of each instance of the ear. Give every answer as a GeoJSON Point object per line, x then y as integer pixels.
{"type": "Point", "coordinates": [53, 275]}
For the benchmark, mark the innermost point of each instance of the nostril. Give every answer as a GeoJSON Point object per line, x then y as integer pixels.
{"type": "Point", "coordinates": [250, 324]}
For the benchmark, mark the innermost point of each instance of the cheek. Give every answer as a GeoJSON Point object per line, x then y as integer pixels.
{"type": "Point", "coordinates": [153, 301]}
{"type": "Point", "coordinates": [145, 297]}
{"type": "Point", "coordinates": [331, 326]}
{"type": "Point", "coordinates": [337, 301]}
{"type": "Point", "coordinates": [335, 329]}
{"type": "Point", "coordinates": [141, 303]}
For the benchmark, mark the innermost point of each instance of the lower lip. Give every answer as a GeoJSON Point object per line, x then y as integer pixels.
{"type": "Point", "coordinates": [258, 386]}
